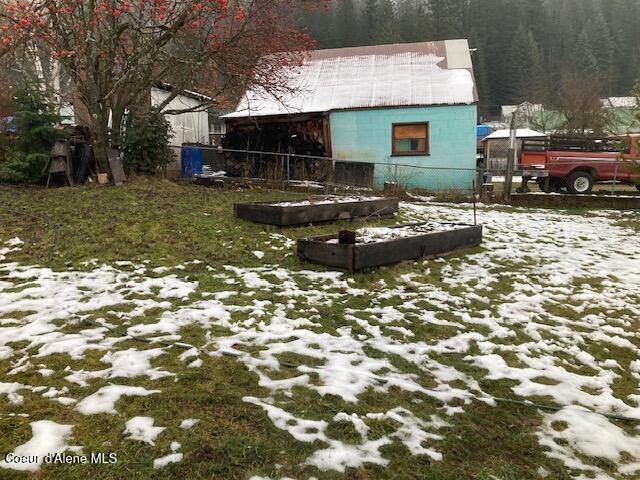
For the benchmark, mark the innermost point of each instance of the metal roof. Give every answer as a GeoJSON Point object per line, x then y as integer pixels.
{"type": "Point", "coordinates": [520, 133]}
{"type": "Point", "coordinates": [412, 74]}
{"type": "Point", "coordinates": [620, 102]}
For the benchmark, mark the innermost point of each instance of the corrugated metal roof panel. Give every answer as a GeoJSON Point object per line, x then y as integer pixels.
{"type": "Point", "coordinates": [520, 133]}
{"type": "Point", "coordinates": [414, 74]}
{"type": "Point", "coordinates": [620, 102]}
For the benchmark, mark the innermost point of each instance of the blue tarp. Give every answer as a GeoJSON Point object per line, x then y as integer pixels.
{"type": "Point", "coordinates": [484, 131]}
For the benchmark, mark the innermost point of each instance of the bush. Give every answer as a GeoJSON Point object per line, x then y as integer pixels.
{"type": "Point", "coordinates": [18, 167]}
{"type": "Point", "coordinates": [35, 121]}
{"type": "Point", "coordinates": [23, 159]}
{"type": "Point", "coordinates": [146, 143]}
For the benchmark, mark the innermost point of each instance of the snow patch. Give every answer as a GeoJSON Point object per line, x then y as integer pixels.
{"type": "Point", "coordinates": [104, 400]}
{"type": "Point", "coordinates": [188, 423]}
{"type": "Point", "coordinates": [167, 459]}
{"type": "Point", "coordinates": [47, 438]}
{"type": "Point", "coordinates": [142, 429]}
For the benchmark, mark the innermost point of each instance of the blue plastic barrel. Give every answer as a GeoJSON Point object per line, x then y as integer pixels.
{"type": "Point", "coordinates": [191, 161]}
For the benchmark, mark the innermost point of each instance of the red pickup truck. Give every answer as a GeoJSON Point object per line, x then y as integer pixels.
{"type": "Point", "coordinates": [578, 163]}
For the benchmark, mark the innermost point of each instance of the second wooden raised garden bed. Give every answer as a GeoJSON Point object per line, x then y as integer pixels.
{"type": "Point", "coordinates": [316, 210]}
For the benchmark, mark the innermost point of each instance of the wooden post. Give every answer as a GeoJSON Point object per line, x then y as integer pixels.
{"type": "Point", "coordinates": [511, 157]}
{"type": "Point", "coordinates": [475, 218]}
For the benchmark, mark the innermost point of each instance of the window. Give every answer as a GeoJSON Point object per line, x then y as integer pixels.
{"type": "Point", "coordinates": [218, 128]}
{"type": "Point", "coordinates": [410, 139]}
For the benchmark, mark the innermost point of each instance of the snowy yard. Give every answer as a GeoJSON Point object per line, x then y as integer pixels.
{"type": "Point", "coordinates": [268, 368]}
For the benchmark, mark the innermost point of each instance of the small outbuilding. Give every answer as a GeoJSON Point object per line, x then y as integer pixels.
{"type": "Point", "coordinates": [191, 125]}
{"type": "Point", "coordinates": [379, 112]}
{"type": "Point", "coordinates": [496, 147]}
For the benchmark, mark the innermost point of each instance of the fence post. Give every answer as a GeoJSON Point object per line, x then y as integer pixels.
{"type": "Point", "coordinates": [475, 216]}
{"type": "Point", "coordinates": [508, 179]}
{"type": "Point", "coordinates": [615, 178]}
{"type": "Point", "coordinates": [287, 166]}
{"type": "Point", "coordinates": [512, 154]}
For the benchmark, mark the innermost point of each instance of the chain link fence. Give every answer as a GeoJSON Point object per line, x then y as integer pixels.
{"type": "Point", "coordinates": [332, 174]}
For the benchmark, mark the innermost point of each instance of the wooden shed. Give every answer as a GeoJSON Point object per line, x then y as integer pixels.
{"type": "Point", "coordinates": [496, 147]}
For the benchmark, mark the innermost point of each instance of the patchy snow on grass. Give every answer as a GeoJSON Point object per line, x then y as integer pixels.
{"type": "Point", "coordinates": [520, 298]}
{"type": "Point", "coordinates": [142, 429]}
{"type": "Point", "coordinates": [11, 391]}
{"type": "Point", "coordinates": [550, 304]}
{"type": "Point", "coordinates": [132, 363]}
{"type": "Point", "coordinates": [167, 459]}
{"type": "Point", "coordinates": [61, 296]}
{"type": "Point", "coordinates": [188, 423]}
{"type": "Point", "coordinates": [14, 242]}
{"type": "Point", "coordinates": [47, 438]}
{"type": "Point", "coordinates": [104, 400]}
{"type": "Point", "coordinates": [284, 243]}
{"type": "Point", "coordinates": [573, 432]}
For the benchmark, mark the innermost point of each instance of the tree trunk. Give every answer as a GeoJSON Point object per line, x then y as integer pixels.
{"type": "Point", "coordinates": [117, 114]}
{"type": "Point", "coordinates": [100, 133]}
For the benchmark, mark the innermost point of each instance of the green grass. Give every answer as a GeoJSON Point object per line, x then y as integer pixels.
{"type": "Point", "coordinates": [168, 224]}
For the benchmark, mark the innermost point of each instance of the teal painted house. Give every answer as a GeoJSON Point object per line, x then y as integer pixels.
{"type": "Point", "coordinates": [403, 112]}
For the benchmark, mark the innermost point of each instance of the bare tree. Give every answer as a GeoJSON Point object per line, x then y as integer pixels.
{"type": "Point", "coordinates": [580, 105]}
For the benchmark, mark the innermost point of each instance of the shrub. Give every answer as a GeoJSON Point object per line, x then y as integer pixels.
{"type": "Point", "coordinates": [146, 143]}
{"type": "Point", "coordinates": [35, 119]}
{"type": "Point", "coordinates": [23, 159]}
{"type": "Point", "coordinates": [18, 167]}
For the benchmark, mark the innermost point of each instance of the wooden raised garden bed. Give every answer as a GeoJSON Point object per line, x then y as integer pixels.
{"type": "Point", "coordinates": [316, 210]}
{"type": "Point", "coordinates": [379, 246]}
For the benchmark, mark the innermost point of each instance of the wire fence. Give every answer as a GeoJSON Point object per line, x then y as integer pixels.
{"type": "Point", "coordinates": [391, 174]}
{"type": "Point", "coordinates": [336, 174]}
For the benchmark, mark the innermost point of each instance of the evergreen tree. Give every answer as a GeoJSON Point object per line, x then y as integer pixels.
{"type": "Point", "coordinates": [35, 121]}
{"type": "Point", "coordinates": [320, 26]}
{"type": "Point", "coordinates": [447, 18]}
{"type": "Point", "coordinates": [369, 28]}
{"type": "Point", "coordinates": [601, 46]}
{"type": "Point", "coordinates": [387, 23]}
{"type": "Point", "coordinates": [412, 21]}
{"type": "Point", "coordinates": [482, 80]}
{"type": "Point", "coordinates": [347, 24]}
{"type": "Point", "coordinates": [526, 69]}
{"type": "Point", "coordinates": [583, 60]}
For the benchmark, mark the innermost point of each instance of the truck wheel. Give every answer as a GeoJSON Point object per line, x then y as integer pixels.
{"type": "Point", "coordinates": [638, 186]}
{"type": "Point", "coordinates": [580, 183]}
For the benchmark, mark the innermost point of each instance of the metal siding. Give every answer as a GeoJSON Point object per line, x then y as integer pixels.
{"type": "Point", "coordinates": [369, 77]}
{"type": "Point", "coordinates": [365, 136]}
